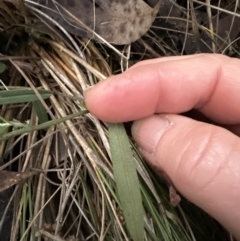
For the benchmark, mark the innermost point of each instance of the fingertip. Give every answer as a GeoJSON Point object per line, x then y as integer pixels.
{"type": "Point", "coordinates": [124, 97]}
{"type": "Point", "coordinates": [148, 131]}
{"type": "Point", "coordinates": [96, 99]}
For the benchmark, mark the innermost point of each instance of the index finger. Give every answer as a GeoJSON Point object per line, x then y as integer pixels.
{"type": "Point", "coordinates": [207, 82]}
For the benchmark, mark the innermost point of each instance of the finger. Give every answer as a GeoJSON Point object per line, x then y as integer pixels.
{"type": "Point", "coordinates": [161, 60]}
{"type": "Point", "coordinates": [209, 83]}
{"type": "Point", "coordinates": [202, 161]}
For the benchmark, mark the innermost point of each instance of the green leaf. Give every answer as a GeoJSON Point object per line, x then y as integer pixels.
{"type": "Point", "coordinates": [26, 128]}
{"type": "Point", "coordinates": [40, 111]}
{"type": "Point", "coordinates": [2, 67]}
{"type": "Point", "coordinates": [3, 128]}
{"type": "Point", "coordinates": [21, 95]}
{"type": "Point", "coordinates": [125, 176]}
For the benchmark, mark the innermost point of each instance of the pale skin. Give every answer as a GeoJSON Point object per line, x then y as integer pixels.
{"type": "Point", "coordinates": [202, 160]}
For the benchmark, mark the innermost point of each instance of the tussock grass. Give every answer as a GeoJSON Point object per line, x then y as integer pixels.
{"type": "Point", "coordinates": [73, 196]}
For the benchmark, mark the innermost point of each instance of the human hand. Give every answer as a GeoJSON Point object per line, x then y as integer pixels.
{"type": "Point", "coordinates": [202, 160]}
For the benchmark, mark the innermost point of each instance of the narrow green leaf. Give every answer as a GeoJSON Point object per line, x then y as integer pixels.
{"type": "Point", "coordinates": [40, 111]}
{"type": "Point", "coordinates": [21, 95]}
{"type": "Point", "coordinates": [89, 200]}
{"type": "Point", "coordinates": [125, 176]}
{"type": "Point", "coordinates": [26, 128]}
{"type": "Point", "coordinates": [3, 128]}
{"type": "Point", "coordinates": [2, 67]}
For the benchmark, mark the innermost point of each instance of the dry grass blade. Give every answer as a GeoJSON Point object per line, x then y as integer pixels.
{"type": "Point", "coordinates": [8, 179]}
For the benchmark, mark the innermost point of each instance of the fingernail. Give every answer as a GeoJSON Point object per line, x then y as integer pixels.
{"type": "Point", "coordinates": [102, 84]}
{"type": "Point", "coordinates": [147, 132]}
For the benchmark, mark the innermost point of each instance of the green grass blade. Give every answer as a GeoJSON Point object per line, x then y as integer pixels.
{"type": "Point", "coordinates": [21, 95]}
{"type": "Point", "coordinates": [125, 176]}
{"type": "Point", "coordinates": [2, 67]}
{"type": "Point", "coordinates": [40, 111]}
{"type": "Point", "coordinates": [42, 126]}
{"type": "Point", "coordinates": [3, 128]}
